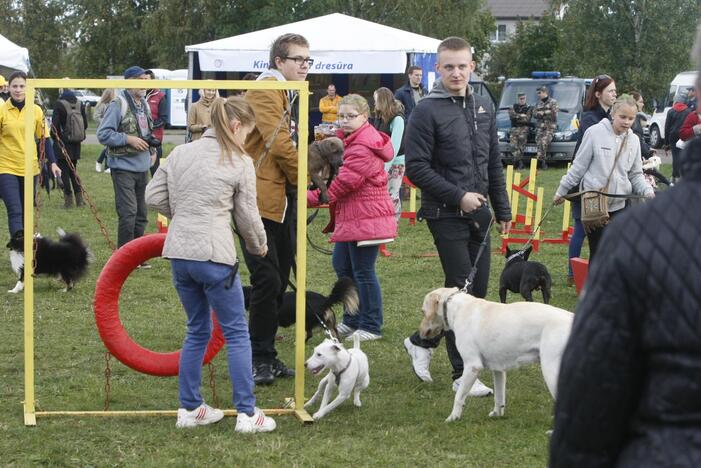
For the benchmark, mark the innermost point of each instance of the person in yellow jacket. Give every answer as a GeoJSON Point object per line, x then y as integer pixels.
{"type": "Point", "coordinates": [272, 146]}
{"type": "Point", "coordinates": [328, 105]}
{"type": "Point", "coordinates": [3, 88]}
{"type": "Point", "coordinates": [12, 169]}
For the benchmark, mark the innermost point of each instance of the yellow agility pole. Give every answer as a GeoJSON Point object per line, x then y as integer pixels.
{"type": "Point", "coordinates": [539, 213]}
{"type": "Point", "coordinates": [514, 196]}
{"type": "Point", "coordinates": [302, 87]}
{"type": "Point", "coordinates": [509, 181]}
{"type": "Point", "coordinates": [29, 156]}
{"type": "Point", "coordinates": [528, 222]}
{"type": "Point", "coordinates": [566, 214]}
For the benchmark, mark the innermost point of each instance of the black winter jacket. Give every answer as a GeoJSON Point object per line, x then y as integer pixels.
{"type": "Point", "coordinates": [58, 122]}
{"type": "Point", "coordinates": [673, 123]}
{"type": "Point", "coordinates": [405, 95]}
{"type": "Point", "coordinates": [589, 118]}
{"type": "Point", "coordinates": [629, 390]}
{"type": "Point", "coordinates": [451, 149]}
{"type": "Point", "coordinates": [637, 128]}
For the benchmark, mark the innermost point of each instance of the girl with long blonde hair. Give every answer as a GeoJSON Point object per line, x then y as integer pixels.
{"type": "Point", "coordinates": [199, 186]}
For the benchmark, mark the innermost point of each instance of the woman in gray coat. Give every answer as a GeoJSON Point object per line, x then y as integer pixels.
{"type": "Point", "coordinates": [200, 185]}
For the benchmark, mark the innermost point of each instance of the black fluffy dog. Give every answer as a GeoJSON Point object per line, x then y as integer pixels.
{"type": "Point", "coordinates": [67, 258]}
{"type": "Point", "coordinates": [522, 276]}
{"type": "Point", "coordinates": [318, 306]}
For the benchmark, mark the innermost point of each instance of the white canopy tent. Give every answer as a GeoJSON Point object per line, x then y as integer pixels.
{"type": "Point", "coordinates": [338, 43]}
{"type": "Point", "coordinates": [13, 56]}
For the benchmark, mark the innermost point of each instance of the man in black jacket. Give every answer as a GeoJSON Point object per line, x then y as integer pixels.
{"type": "Point", "coordinates": [452, 155]}
{"type": "Point", "coordinates": [412, 92]}
{"type": "Point", "coordinates": [61, 132]}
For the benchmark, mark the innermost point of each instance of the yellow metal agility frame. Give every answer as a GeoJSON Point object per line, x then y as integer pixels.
{"type": "Point", "coordinates": [30, 413]}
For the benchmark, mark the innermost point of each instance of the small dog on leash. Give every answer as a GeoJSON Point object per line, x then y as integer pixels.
{"type": "Point", "coordinates": [319, 307]}
{"type": "Point", "coordinates": [348, 370]}
{"type": "Point", "coordinates": [67, 258]}
{"type": "Point", "coordinates": [325, 157]}
{"type": "Point", "coordinates": [498, 337]}
{"type": "Point", "coordinates": [523, 276]}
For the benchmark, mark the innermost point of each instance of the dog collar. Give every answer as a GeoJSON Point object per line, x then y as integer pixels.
{"type": "Point", "coordinates": [338, 375]}
{"type": "Point", "coordinates": [445, 309]}
{"type": "Point", "coordinates": [512, 256]}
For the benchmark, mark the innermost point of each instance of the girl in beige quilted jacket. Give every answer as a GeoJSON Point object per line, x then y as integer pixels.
{"type": "Point", "coordinates": [199, 187]}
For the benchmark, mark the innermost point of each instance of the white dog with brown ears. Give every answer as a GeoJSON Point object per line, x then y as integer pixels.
{"type": "Point", "coordinates": [497, 337]}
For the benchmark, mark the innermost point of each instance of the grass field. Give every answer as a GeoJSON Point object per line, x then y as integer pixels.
{"type": "Point", "coordinates": [400, 423]}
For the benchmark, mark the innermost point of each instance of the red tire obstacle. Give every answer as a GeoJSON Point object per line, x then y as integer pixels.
{"type": "Point", "coordinates": [106, 306]}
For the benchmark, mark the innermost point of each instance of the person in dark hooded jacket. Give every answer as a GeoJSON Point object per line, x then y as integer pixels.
{"type": "Point", "coordinates": [630, 378]}
{"type": "Point", "coordinates": [71, 185]}
{"type": "Point", "coordinates": [452, 155]}
{"type": "Point", "coordinates": [672, 125]}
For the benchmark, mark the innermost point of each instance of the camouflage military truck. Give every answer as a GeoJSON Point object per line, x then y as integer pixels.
{"type": "Point", "coordinates": [568, 92]}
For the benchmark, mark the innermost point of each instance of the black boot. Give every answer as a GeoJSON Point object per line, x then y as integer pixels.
{"type": "Point", "coordinates": [79, 199]}
{"type": "Point", "coordinates": [68, 200]}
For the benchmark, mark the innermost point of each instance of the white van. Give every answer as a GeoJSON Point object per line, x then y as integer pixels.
{"type": "Point", "coordinates": [680, 84]}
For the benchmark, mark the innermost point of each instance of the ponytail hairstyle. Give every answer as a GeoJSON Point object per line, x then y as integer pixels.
{"type": "Point", "coordinates": [623, 100]}
{"type": "Point", "coordinates": [598, 85]}
{"type": "Point", "coordinates": [224, 110]}
{"type": "Point", "coordinates": [386, 107]}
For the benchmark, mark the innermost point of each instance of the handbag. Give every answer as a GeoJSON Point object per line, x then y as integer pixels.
{"type": "Point", "coordinates": [595, 213]}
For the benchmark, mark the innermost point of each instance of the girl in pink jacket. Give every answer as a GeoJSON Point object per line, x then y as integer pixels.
{"type": "Point", "coordinates": [362, 214]}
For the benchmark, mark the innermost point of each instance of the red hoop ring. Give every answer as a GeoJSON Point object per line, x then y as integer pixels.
{"type": "Point", "coordinates": [106, 307]}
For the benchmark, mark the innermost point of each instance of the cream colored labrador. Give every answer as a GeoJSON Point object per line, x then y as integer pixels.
{"type": "Point", "coordinates": [497, 337]}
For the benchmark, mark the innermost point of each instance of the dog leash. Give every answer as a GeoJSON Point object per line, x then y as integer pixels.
{"type": "Point", "coordinates": [471, 277]}
{"type": "Point", "coordinates": [292, 286]}
{"type": "Point", "coordinates": [535, 232]}
{"type": "Point", "coordinates": [310, 220]}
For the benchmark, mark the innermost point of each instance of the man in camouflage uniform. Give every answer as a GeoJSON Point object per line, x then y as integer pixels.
{"type": "Point", "coordinates": [546, 122]}
{"type": "Point", "coordinates": [520, 115]}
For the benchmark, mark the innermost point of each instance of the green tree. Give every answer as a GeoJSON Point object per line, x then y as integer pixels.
{"type": "Point", "coordinates": [642, 44]}
{"type": "Point", "coordinates": [534, 46]}
{"type": "Point", "coordinates": [110, 36]}
{"type": "Point", "coordinates": [38, 25]}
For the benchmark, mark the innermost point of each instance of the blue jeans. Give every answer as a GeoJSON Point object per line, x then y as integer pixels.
{"type": "Point", "coordinates": [12, 194]}
{"type": "Point", "coordinates": [201, 285]}
{"type": "Point", "coordinates": [578, 236]}
{"type": "Point", "coordinates": [359, 263]}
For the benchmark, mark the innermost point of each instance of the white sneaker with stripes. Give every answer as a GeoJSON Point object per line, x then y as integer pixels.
{"type": "Point", "coordinates": [200, 416]}
{"type": "Point", "coordinates": [259, 422]}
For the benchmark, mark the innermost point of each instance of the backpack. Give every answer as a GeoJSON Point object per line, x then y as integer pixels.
{"type": "Point", "coordinates": [74, 129]}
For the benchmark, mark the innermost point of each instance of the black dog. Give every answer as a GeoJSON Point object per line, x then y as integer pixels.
{"type": "Point", "coordinates": [319, 306]}
{"type": "Point", "coordinates": [68, 258]}
{"type": "Point", "coordinates": [522, 276]}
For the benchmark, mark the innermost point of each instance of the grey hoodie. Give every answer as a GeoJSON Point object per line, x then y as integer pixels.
{"type": "Point", "coordinates": [594, 162]}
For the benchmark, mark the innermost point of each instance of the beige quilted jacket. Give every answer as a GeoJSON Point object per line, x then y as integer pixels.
{"type": "Point", "coordinates": [198, 191]}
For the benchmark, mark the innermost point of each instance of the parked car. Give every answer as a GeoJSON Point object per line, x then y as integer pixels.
{"type": "Point", "coordinates": [569, 93]}
{"type": "Point", "coordinates": [680, 84]}
{"type": "Point", "coordinates": [86, 96]}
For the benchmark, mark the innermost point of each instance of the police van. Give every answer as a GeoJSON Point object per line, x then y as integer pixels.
{"type": "Point", "coordinates": [681, 84]}
{"type": "Point", "coordinates": [569, 93]}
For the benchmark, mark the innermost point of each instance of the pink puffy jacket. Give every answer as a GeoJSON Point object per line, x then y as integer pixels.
{"type": "Point", "coordinates": [358, 198]}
